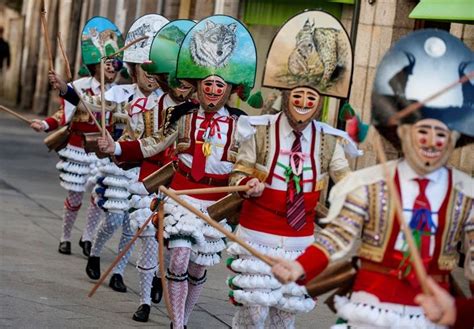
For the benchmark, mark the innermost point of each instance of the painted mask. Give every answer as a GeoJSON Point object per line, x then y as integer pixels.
{"type": "Point", "coordinates": [213, 93]}
{"type": "Point", "coordinates": [303, 105]}
{"type": "Point", "coordinates": [427, 144]}
{"type": "Point", "coordinates": [110, 70]}
{"type": "Point", "coordinates": [183, 92]}
{"type": "Point", "coordinates": [146, 82]}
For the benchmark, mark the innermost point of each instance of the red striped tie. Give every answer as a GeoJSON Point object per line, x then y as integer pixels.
{"type": "Point", "coordinates": [295, 210]}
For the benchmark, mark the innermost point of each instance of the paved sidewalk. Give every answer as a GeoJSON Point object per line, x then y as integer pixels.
{"type": "Point", "coordinates": [40, 288]}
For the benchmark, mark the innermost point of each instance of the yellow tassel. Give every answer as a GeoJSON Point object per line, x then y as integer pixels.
{"type": "Point", "coordinates": [206, 149]}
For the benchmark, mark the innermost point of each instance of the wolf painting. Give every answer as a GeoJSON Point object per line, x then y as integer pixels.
{"type": "Point", "coordinates": [213, 45]}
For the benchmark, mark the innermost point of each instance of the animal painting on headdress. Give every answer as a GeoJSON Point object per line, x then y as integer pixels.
{"type": "Point", "coordinates": [213, 45]}
{"type": "Point", "coordinates": [304, 59]}
{"type": "Point", "coordinates": [311, 49]}
{"type": "Point", "coordinates": [318, 57]}
{"type": "Point", "coordinates": [219, 45]}
{"type": "Point", "coordinates": [144, 26]}
{"type": "Point", "coordinates": [100, 37]}
{"type": "Point", "coordinates": [105, 41]}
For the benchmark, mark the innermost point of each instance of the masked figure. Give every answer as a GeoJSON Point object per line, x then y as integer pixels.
{"type": "Point", "coordinates": [99, 36]}
{"type": "Point", "coordinates": [285, 160]}
{"type": "Point", "coordinates": [437, 200]}
{"type": "Point", "coordinates": [217, 56]}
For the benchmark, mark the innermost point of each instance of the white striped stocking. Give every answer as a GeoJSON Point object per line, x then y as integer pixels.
{"type": "Point", "coordinates": [146, 266]}
{"type": "Point", "coordinates": [107, 227]}
{"type": "Point", "coordinates": [250, 317]}
{"type": "Point", "coordinates": [281, 320]}
{"type": "Point", "coordinates": [196, 280]}
{"type": "Point", "coordinates": [93, 217]}
{"type": "Point", "coordinates": [72, 204]}
{"type": "Point", "coordinates": [177, 283]}
{"type": "Point", "coordinates": [125, 238]}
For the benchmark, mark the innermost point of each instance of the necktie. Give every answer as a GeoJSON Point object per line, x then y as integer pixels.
{"type": "Point", "coordinates": [295, 210]}
{"type": "Point", "coordinates": [199, 159]}
{"type": "Point", "coordinates": [421, 219]}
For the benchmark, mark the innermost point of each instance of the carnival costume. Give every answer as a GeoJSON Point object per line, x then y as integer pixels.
{"type": "Point", "coordinates": [437, 200]}
{"type": "Point", "coordinates": [76, 165]}
{"type": "Point", "coordinates": [145, 124]}
{"type": "Point", "coordinates": [206, 149]}
{"type": "Point", "coordinates": [295, 165]}
{"type": "Point", "coordinates": [113, 183]}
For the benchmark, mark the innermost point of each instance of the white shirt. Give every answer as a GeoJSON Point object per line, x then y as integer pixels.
{"type": "Point", "coordinates": [287, 137]}
{"type": "Point", "coordinates": [435, 191]}
{"type": "Point", "coordinates": [214, 164]}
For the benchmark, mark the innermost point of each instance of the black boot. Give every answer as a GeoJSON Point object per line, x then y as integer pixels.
{"type": "Point", "coordinates": [116, 283]}
{"type": "Point", "coordinates": [142, 313]}
{"type": "Point", "coordinates": [93, 267]}
{"type": "Point", "coordinates": [64, 247]}
{"type": "Point", "coordinates": [86, 247]}
{"type": "Point", "coordinates": [156, 290]}
{"type": "Point", "coordinates": [171, 326]}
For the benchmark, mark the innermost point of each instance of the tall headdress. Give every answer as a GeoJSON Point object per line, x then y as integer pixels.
{"type": "Point", "coordinates": [219, 45]}
{"type": "Point", "coordinates": [312, 49]}
{"type": "Point", "coordinates": [100, 37]}
{"type": "Point", "coordinates": [416, 67]}
{"type": "Point", "coordinates": [164, 50]}
{"type": "Point", "coordinates": [147, 25]}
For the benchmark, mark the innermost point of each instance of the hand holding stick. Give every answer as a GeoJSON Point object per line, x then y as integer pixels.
{"type": "Point", "coordinates": [84, 103]}
{"type": "Point", "coordinates": [170, 193]}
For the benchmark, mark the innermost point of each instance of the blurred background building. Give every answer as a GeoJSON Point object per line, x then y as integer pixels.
{"type": "Point", "coordinates": [374, 25]}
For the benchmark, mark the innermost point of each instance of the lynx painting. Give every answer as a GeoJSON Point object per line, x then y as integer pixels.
{"type": "Point", "coordinates": [320, 57]}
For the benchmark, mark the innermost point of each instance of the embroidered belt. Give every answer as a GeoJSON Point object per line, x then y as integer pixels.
{"type": "Point", "coordinates": [208, 179]}
{"type": "Point", "coordinates": [375, 267]}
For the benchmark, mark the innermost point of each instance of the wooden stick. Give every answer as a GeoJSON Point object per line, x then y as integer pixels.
{"type": "Point", "coordinates": [120, 255]}
{"type": "Point", "coordinates": [46, 35]}
{"type": "Point", "coordinates": [416, 261]}
{"type": "Point", "coordinates": [102, 96]}
{"type": "Point", "coordinates": [161, 258]}
{"type": "Point", "coordinates": [210, 190]}
{"type": "Point", "coordinates": [19, 116]}
{"type": "Point", "coordinates": [84, 103]}
{"type": "Point", "coordinates": [394, 119]}
{"type": "Point", "coordinates": [66, 61]}
{"type": "Point", "coordinates": [128, 45]}
{"type": "Point", "coordinates": [215, 225]}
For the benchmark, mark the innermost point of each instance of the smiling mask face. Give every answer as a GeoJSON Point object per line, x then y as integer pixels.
{"type": "Point", "coordinates": [427, 145]}
{"type": "Point", "coordinates": [303, 105]}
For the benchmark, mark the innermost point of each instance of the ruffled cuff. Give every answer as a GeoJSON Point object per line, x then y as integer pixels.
{"type": "Point", "coordinates": [51, 124]}
{"type": "Point", "coordinates": [243, 182]}
{"type": "Point", "coordinates": [131, 151]}
{"type": "Point", "coordinates": [314, 261]}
